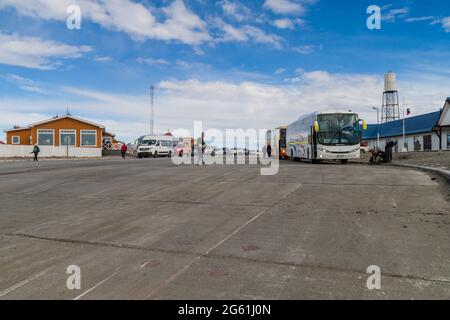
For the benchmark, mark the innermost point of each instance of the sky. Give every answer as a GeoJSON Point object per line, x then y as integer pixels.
{"type": "Point", "coordinates": [229, 63]}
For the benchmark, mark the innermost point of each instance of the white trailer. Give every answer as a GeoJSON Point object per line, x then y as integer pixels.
{"type": "Point", "coordinates": [325, 136]}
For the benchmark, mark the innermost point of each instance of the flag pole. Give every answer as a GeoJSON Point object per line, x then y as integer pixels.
{"type": "Point", "coordinates": [404, 149]}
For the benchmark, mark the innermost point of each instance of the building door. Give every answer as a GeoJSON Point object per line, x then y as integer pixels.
{"type": "Point", "coordinates": [427, 145]}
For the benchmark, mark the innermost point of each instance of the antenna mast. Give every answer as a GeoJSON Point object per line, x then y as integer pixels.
{"type": "Point", "coordinates": [152, 95]}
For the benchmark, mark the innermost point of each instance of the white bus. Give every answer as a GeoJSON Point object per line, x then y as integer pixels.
{"type": "Point", "coordinates": [325, 136]}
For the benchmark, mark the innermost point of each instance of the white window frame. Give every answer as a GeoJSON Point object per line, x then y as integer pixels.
{"type": "Point", "coordinates": [88, 132]}
{"type": "Point", "coordinates": [12, 140]}
{"type": "Point", "coordinates": [72, 131]}
{"type": "Point", "coordinates": [53, 132]}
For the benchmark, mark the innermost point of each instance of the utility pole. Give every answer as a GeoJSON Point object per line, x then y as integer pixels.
{"type": "Point", "coordinates": [152, 97]}
{"type": "Point", "coordinates": [404, 128]}
{"type": "Point", "coordinates": [378, 125]}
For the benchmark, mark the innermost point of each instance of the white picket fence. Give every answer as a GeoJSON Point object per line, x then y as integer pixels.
{"type": "Point", "coordinates": [12, 151]}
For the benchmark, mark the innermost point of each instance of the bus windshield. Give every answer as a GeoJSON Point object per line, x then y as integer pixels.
{"type": "Point", "coordinates": [339, 129]}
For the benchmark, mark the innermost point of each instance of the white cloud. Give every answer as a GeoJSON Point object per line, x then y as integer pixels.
{"type": "Point", "coordinates": [288, 7]}
{"type": "Point", "coordinates": [152, 61]}
{"type": "Point", "coordinates": [306, 49]}
{"type": "Point", "coordinates": [23, 83]}
{"type": "Point", "coordinates": [236, 10]}
{"type": "Point", "coordinates": [393, 14]}
{"type": "Point", "coordinates": [180, 23]}
{"type": "Point", "coordinates": [245, 33]}
{"type": "Point", "coordinates": [103, 59]}
{"type": "Point", "coordinates": [420, 19]}
{"type": "Point", "coordinates": [36, 53]}
{"type": "Point", "coordinates": [280, 71]}
{"type": "Point", "coordinates": [446, 24]}
{"type": "Point", "coordinates": [285, 6]}
{"type": "Point", "coordinates": [227, 104]}
{"type": "Point", "coordinates": [284, 24]}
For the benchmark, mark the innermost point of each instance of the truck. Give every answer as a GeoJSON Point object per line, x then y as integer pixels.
{"type": "Point", "coordinates": [325, 136]}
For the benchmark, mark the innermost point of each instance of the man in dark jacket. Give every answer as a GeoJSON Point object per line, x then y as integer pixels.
{"type": "Point", "coordinates": [269, 151]}
{"type": "Point", "coordinates": [388, 151]}
{"type": "Point", "coordinates": [36, 151]}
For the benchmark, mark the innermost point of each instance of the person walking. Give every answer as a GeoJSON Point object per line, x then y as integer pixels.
{"type": "Point", "coordinates": [36, 151]}
{"type": "Point", "coordinates": [124, 150]}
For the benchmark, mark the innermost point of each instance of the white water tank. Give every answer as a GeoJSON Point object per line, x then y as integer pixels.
{"type": "Point", "coordinates": [390, 82]}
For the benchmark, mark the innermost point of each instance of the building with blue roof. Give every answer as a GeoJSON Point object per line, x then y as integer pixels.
{"type": "Point", "coordinates": [426, 132]}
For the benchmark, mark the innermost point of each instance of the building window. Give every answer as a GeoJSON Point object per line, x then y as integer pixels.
{"type": "Point", "coordinates": [67, 137]}
{"type": "Point", "coordinates": [427, 143]}
{"type": "Point", "coordinates": [107, 142]}
{"type": "Point", "coordinates": [46, 137]}
{"type": "Point", "coordinates": [448, 141]}
{"type": "Point", "coordinates": [88, 138]}
{"type": "Point", "coordinates": [16, 140]}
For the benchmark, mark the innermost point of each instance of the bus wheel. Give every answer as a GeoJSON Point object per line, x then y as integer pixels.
{"type": "Point", "coordinates": [344, 161]}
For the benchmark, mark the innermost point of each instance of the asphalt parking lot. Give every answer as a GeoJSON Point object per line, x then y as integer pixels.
{"type": "Point", "coordinates": [146, 229]}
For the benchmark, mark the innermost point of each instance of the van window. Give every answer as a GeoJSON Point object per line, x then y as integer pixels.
{"type": "Point", "coordinates": [148, 142]}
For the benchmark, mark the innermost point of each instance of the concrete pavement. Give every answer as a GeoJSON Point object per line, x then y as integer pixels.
{"type": "Point", "coordinates": [146, 229]}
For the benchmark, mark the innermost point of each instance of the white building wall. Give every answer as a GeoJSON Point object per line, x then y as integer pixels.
{"type": "Point", "coordinates": [12, 151]}
{"type": "Point", "coordinates": [445, 133]}
{"type": "Point", "coordinates": [410, 140]}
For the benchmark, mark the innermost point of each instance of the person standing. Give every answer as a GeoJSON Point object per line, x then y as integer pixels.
{"type": "Point", "coordinates": [124, 150]}
{"type": "Point", "coordinates": [269, 151]}
{"type": "Point", "coordinates": [201, 146]}
{"type": "Point", "coordinates": [36, 151]}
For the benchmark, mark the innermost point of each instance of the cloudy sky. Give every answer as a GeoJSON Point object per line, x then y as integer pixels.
{"type": "Point", "coordinates": [231, 63]}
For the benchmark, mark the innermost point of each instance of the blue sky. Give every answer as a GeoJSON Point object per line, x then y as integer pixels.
{"type": "Point", "coordinates": [230, 63]}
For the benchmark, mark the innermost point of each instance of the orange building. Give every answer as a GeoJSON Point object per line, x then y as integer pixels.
{"type": "Point", "coordinates": [60, 131]}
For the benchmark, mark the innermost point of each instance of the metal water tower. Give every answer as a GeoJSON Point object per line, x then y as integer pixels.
{"type": "Point", "coordinates": [391, 107]}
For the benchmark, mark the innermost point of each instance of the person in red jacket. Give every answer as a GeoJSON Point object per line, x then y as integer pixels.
{"type": "Point", "coordinates": [124, 150]}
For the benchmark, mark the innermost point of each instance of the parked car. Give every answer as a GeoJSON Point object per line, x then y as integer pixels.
{"type": "Point", "coordinates": [180, 149]}
{"type": "Point", "coordinates": [155, 146]}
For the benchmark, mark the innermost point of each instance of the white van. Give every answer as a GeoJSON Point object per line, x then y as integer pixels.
{"type": "Point", "coordinates": [155, 146]}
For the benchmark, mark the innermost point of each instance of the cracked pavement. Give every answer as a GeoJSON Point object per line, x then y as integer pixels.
{"type": "Point", "coordinates": [146, 229]}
